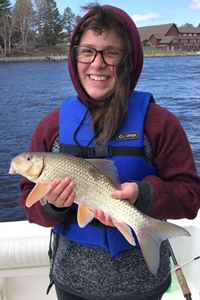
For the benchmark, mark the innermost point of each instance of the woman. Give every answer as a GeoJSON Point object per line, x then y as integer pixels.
{"type": "Point", "coordinates": [108, 118]}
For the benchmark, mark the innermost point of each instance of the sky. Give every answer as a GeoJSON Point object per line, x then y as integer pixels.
{"type": "Point", "coordinates": [146, 12]}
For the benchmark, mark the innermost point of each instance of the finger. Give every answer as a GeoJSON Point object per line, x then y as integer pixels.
{"type": "Point", "coordinates": [56, 187]}
{"type": "Point", "coordinates": [69, 201]}
{"type": "Point", "coordinates": [65, 192]}
{"type": "Point", "coordinates": [103, 218]}
{"type": "Point", "coordinates": [129, 190]}
{"type": "Point", "coordinates": [119, 194]}
{"type": "Point", "coordinates": [108, 221]}
{"type": "Point", "coordinates": [98, 214]}
{"type": "Point", "coordinates": [95, 212]}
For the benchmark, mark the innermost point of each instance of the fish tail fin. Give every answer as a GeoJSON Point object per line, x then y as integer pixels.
{"type": "Point", "coordinates": [151, 237]}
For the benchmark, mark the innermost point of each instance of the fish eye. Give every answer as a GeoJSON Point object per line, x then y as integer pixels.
{"type": "Point", "coordinates": [29, 157]}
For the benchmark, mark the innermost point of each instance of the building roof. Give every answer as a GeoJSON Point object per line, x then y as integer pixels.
{"type": "Point", "coordinates": [157, 36]}
{"type": "Point", "coordinates": [189, 30]}
{"type": "Point", "coordinates": [159, 32]}
{"type": "Point", "coordinates": [147, 31]}
{"type": "Point", "coordinates": [166, 40]}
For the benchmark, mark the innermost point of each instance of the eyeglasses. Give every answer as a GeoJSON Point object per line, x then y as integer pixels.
{"type": "Point", "coordinates": [87, 55]}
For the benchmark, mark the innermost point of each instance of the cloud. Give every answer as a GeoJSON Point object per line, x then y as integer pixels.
{"type": "Point", "coordinates": [195, 4]}
{"type": "Point", "coordinates": [149, 16]}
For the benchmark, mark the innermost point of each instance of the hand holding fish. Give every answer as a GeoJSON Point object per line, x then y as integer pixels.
{"type": "Point", "coordinates": [62, 193]}
{"type": "Point", "coordinates": [103, 218]}
{"type": "Point", "coordinates": [128, 191]}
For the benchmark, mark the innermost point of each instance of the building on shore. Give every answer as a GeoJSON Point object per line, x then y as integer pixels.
{"type": "Point", "coordinates": [171, 37]}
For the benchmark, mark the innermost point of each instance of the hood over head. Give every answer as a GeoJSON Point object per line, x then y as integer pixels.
{"type": "Point", "coordinates": [137, 53]}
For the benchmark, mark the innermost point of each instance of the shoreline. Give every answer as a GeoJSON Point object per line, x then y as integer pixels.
{"type": "Point", "coordinates": [33, 58]}
{"type": "Point", "coordinates": [171, 54]}
{"type": "Point", "coordinates": [65, 57]}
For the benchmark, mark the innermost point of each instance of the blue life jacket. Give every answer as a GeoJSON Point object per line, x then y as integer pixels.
{"type": "Point", "coordinates": [126, 149]}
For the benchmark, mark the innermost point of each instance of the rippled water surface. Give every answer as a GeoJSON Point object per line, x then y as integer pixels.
{"type": "Point", "coordinates": [30, 90]}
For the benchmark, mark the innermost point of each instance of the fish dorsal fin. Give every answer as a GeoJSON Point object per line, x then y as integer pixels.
{"type": "Point", "coordinates": [108, 168]}
{"type": "Point", "coordinates": [125, 231]}
{"type": "Point", "coordinates": [39, 191]}
{"type": "Point", "coordinates": [84, 216]}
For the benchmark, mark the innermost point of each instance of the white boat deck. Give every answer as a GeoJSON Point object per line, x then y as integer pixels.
{"type": "Point", "coordinates": [24, 263]}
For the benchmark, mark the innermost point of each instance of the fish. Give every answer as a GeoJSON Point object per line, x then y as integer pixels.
{"type": "Point", "coordinates": [94, 180]}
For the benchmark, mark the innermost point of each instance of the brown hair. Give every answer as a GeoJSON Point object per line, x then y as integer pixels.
{"type": "Point", "coordinates": [109, 115]}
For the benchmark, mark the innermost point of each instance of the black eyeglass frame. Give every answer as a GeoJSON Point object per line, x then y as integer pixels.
{"type": "Point", "coordinates": [96, 51]}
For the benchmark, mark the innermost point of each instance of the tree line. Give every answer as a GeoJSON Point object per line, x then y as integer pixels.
{"type": "Point", "coordinates": [34, 23]}
{"type": "Point", "coordinates": [189, 25]}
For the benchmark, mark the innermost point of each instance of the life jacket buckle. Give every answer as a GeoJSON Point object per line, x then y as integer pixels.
{"type": "Point", "coordinates": [90, 152]}
{"type": "Point", "coordinates": [98, 151]}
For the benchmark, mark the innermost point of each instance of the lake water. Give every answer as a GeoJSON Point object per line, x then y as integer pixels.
{"type": "Point", "coordinates": [30, 90]}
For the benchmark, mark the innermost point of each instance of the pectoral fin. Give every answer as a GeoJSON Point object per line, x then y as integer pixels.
{"type": "Point", "coordinates": [39, 191]}
{"type": "Point", "coordinates": [125, 231]}
{"type": "Point", "coordinates": [84, 216]}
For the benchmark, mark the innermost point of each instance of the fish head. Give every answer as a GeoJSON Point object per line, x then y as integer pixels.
{"type": "Point", "coordinates": [29, 165]}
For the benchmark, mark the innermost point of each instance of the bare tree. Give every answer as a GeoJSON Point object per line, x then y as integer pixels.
{"type": "Point", "coordinates": [5, 25]}
{"type": "Point", "coordinates": [6, 29]}
{"type": "Point", "coordinates": [24, 18]}
{"type": "Point", "coordinates": [3, 31]}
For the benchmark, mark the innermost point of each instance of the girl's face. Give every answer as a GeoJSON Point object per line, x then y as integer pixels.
{"type": "Point", "coordinates": [97, 78]}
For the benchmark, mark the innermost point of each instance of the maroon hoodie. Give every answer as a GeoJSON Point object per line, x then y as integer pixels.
{"type": "Point", "coordinates": [176, 191]}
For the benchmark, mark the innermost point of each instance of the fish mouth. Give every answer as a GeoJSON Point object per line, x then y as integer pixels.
{"type": "Point", "coordinates": [12, 169]}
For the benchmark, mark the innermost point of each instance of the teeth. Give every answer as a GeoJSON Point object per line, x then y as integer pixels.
{"type": "Point", "coordinates": [98, 78]}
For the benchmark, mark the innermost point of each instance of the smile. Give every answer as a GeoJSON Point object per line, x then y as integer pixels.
{"type": "Point", "coordinates": [98, 78]}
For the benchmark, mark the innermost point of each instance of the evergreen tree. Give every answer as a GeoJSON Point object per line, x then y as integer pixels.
{"type": "Point", "coordinates": [187, 25]}
{"type": "Point", "coordinates": [4, 4]}
{"type": "Point", "coordinates": [78, 18]}
{"type": "Point", "coordinates": [69, 21]}
{"type": "Point", "coordinates": [53, 23]}
{"type": "Point", "coordinates": [40, 12]}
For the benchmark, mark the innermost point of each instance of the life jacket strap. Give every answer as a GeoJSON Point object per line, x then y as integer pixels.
{"type": "Point", "coordinates": [101, 151]}
{"type": "Point", "coordinates": [52, 256]}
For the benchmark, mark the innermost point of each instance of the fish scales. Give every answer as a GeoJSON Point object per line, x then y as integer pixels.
{"type": "Point", "coordinates": [91, 185]}
{"type": "Point", "coordinates": [94, 191]}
